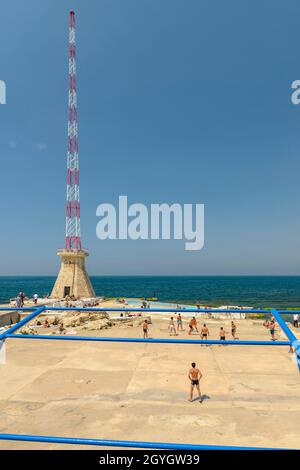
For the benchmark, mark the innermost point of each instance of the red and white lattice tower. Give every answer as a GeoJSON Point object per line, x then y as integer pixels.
{"type": "Point", "coordinates": [72, 279]}
{"type": "Point", "coordinates": [73, 236]}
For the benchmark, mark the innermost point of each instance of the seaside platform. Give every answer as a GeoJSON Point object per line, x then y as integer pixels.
{"type": "Point", "coordinates": [140, 391]}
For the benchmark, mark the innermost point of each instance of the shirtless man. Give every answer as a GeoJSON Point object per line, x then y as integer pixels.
{"type": "Point", "coordinates": [233, 329]}
{"type": "Point", "coordinates": [145, 329]}
{"type": "Point", "coordinates": [222, 334]}
{"type": "Point", "coordinates": [179, 322]}
{"type": "Point", "coordinates": [272, 329]}
{"type": "Point", "coordinates": [266, 323]}
{"type": "Point", "coordinates": [204, 332]}
{"type": "Point", "coordinates": [194, 323]}
{"type": "Point", "coordinates": [172, 328]}
{"type": "Point", "coordinates": [194, 376]}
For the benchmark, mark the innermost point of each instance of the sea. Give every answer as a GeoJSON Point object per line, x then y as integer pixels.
{"type": "Point", "coordinates": [253, 291]}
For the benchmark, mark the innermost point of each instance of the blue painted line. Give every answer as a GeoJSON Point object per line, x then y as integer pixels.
{"type": "Point", "coordinates": [22, 322]}
{"type": "Point", "coordinates": [119, 443]}
{"type": "Point", "coordinates": [150, 340]}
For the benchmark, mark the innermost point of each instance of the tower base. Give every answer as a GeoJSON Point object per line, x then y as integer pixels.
{"type": "Point", "coordinates": [72, 278]}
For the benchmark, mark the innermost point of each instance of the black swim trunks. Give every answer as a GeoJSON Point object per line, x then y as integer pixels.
{"type": "Point", "coordinates": [204, 335]}
{"type": "Point", "coordinates": [195, 382]}
{"type": "Point", "coordinates": [222, 338]}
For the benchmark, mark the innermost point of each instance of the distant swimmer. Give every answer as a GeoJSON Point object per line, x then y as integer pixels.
{"type": "Point", "coordinates": [233, 330]}
{"type": "Point", "coordinates": [179, 322]}
{"type": "Point", "coordinates": [194, 376]}
{"type": "Point", "coordinates": [172, 328]}
{"type": "Point", "coordinates": [204, 332]}
{"type": "Point", "coordinates": [145, 329]}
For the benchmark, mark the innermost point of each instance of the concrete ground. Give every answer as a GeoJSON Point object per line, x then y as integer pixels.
{"type": "Point", "coordinates": [139, 392]}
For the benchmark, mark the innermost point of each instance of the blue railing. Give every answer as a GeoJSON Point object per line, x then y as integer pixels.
{"type": "Point", "coordinates": [292, 341]}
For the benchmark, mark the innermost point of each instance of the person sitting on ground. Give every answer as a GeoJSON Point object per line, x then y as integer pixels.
{"type": "Point", "coordinates": [194, 376]}
{"type": "Point", "coordinates": [179, 322]}
{"type": "Point", "coordinates": [233, 330]}
{"type": "Point", "coordinates": [145, 329]}
{"type": "Point", "coordinates": [172, 328]}
{"type": "Point", "coordinates": [204, 332]}
{"type": "Point", "coordinates": [61, 328]}
{"type": "Point", "coordinates": [46, 323]}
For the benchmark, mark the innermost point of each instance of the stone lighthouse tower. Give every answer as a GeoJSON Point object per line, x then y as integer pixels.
{"type": "Point", "coordinates": [72, 278]}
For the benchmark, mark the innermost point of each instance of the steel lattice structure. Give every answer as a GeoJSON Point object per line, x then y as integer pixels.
{"type": "Point", "coordinates": [73, 235]}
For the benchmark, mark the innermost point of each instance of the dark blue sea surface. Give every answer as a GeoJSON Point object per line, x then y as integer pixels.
{"type": "Point", "coordinates": [255, 291]}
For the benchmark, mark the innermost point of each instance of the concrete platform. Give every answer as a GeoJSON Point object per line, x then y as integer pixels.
{"type": "Point", "coordinates": [140, 391]}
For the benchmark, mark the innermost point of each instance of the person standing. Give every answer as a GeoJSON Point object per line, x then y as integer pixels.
{"type": "Point", "coordinates": [296, 320]}
{"type": "Point", "coordinates": [179, 322]}
{"type": "Point", "coordinates": [194, 323]}
{"type": "Point", "coordinates": [194, 376]}
{"type": "Point", "coordinates": [204, 332]}
{"type": "Point", "coordinates": [35, 298]}
{"type": "Point", "coordinates": [272, 330]}
{"type": "Point", "coordinates": [145, 329]}
{"type": "Point", "coordinates": [222, 334]}
{"type": "Point", "coordinates": [19, 301]}
{"type": "Point", "coordinates": [233, 329]}
{"type": "Point", "coordinates": [172, 328]}
{"type": "Point", "coordinates": [23, 298]}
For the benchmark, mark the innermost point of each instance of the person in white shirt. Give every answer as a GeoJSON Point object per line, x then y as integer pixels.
{"type": "Point", "coordinates": [296, 320]}
{"type": "Point", "coordinates": [35, 298]}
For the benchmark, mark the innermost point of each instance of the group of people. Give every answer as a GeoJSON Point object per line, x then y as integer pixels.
{"type": "Point", "coordinates": [204, 332]}
{"type": "Point", "coordinates": [21, 297]}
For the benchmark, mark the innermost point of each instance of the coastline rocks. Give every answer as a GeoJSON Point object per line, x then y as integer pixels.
{"type": "Point", "coordinates": [28, 330]}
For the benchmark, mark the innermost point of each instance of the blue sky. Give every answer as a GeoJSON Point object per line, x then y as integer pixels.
{"type": "Point", "coordinates": [178, 101]}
